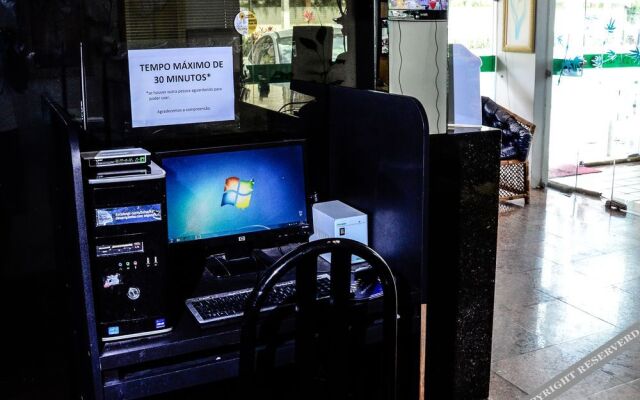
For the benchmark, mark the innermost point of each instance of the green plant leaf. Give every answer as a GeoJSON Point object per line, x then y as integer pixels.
{"type": "Point", "coordinates": [635, 55]}
{"type": "Point", "coordinates": [597, 62]}
{"type": "Point", "coordinates": [611, 26]}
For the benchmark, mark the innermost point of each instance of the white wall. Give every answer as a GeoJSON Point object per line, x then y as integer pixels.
{"type": "Point", "coordinates": [522, 85]}
{"type": "Point", "coordinates": [515, 83]}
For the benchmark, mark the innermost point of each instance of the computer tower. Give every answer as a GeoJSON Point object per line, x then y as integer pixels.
{"type": "Point", "coordinates": [126, 218]}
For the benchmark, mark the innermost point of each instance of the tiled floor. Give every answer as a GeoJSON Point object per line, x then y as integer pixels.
{"type": "Point", "coordinates": [567, 281]}
{"type": "Point", "coordinates": [626, 186]}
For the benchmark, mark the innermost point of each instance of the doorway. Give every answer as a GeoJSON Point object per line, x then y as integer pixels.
{"type": "Point", "coordinates": [594, 136]}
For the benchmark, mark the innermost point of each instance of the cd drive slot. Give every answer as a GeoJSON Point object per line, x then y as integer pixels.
{"type": "Point", "coordinates": [121, 174]}
{"type": "Point", "coordinates": [109, 250]}
{"type": "Point", "coordinates": [127, 194]}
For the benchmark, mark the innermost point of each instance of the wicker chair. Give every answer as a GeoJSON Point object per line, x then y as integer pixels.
{"type": "Point", "coordinates": [517, 134]}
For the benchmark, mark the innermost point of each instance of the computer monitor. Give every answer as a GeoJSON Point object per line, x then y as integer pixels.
{"type": "Point", "coordinates": [237, 198]}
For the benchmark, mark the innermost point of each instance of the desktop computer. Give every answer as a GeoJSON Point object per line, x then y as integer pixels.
{"type": "Point", "coordinates": [223, 204]}
{"type": "Point", "coordinates": [126, 218]}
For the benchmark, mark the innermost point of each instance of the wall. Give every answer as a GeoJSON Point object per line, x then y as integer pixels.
{"type": "Point", "coordinates": [523, 87]}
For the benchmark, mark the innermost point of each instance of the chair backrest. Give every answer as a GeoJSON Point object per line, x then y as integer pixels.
{"type": "Point", "coordinates": [517, 132]}
{"type": "Point", "coordinates": [304, 260]}
{"type": "Point", "coordinates": [528, 125]}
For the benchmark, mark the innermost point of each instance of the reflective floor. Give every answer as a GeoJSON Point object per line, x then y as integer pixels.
{"type": "Point", "coordinates": [625, 181]}
{"type": "Point", "coordinates": [567, 281]}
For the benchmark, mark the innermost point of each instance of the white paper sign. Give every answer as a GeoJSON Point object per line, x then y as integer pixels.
{"type": "Point", "coordinates": [181, 86]}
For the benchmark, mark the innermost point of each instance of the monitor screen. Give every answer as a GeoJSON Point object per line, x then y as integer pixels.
{"type": "Point", "coordinates": [232, 191]}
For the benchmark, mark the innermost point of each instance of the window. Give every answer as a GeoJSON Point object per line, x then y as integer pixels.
{"type": "Point", "coordinates": [473, 24]}
{"type": "Point", "coordinates": [268, 51]}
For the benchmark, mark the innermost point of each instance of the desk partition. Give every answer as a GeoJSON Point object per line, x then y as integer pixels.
{"type": "Point", "coordinates": [379, 147]}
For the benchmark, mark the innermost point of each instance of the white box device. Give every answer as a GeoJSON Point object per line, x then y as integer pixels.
{"type": "Point", "coordinates": [335, 219]}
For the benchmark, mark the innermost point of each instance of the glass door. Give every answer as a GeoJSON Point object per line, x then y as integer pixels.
{"type": "Point", "coordinates": [594, 114]}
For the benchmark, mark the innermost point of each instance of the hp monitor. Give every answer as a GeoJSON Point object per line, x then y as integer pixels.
{"type": "Point", "coordinates": [239, 197]}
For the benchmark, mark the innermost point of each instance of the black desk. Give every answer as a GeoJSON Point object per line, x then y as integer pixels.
{"type": "Point", "coordinates": [191, 355]}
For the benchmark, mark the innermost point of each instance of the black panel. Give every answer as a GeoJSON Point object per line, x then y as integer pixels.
{"type": "Point", "coordinates": [366, 43]}
{"type": "Point", "coordinates": [72, 254]}
{"type": "Point", "coordinates": [379, 142]}
{"type": "Point", "coordinates": [378, 153]}
{"type": "Point", "coordinates": [463, 209]}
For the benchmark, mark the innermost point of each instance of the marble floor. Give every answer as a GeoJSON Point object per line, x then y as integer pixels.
{"type": "Point", "coordinates": [567, 281]}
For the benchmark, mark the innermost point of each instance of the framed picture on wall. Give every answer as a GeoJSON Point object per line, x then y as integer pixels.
{"type": "Point", "coordinates": [519, 26]}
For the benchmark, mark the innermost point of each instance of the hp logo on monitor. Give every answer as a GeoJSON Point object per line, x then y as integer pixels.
{"type": "Point", "coordinates": [241, 238]}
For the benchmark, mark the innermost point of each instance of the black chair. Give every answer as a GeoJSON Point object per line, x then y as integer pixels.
{"type": "Point", "coordinates": [304, 260]}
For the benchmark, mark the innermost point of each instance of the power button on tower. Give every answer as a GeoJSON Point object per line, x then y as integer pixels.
{"type": "Point", "coordinates": [133, 293]}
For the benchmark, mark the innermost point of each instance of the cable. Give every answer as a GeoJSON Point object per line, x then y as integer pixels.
{"type": "Point", "coordinates": [437, 75]}
{"type": "Point", "coordinates": [225, 268]}
{"type": "Point", "coordinates": [400, 54]}
{"type": "Point", "coordinates": [291, 103]}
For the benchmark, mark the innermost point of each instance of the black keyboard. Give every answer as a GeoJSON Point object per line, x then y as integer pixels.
{"type": "Point", "coordinates": [224, 306]}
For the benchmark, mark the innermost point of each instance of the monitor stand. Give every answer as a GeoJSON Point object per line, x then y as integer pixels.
{"type": "Point", "coordinates": [228, 264]}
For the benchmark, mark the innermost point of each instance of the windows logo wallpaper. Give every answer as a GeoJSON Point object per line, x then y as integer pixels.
{"type": "Point", "coordinates": [237, 193]}
{"type": "Point", "coordinates": [234, 192]}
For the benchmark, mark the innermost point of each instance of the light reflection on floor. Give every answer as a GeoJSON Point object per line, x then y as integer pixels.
{"type": "Point", "coordinates": [567, 280]}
